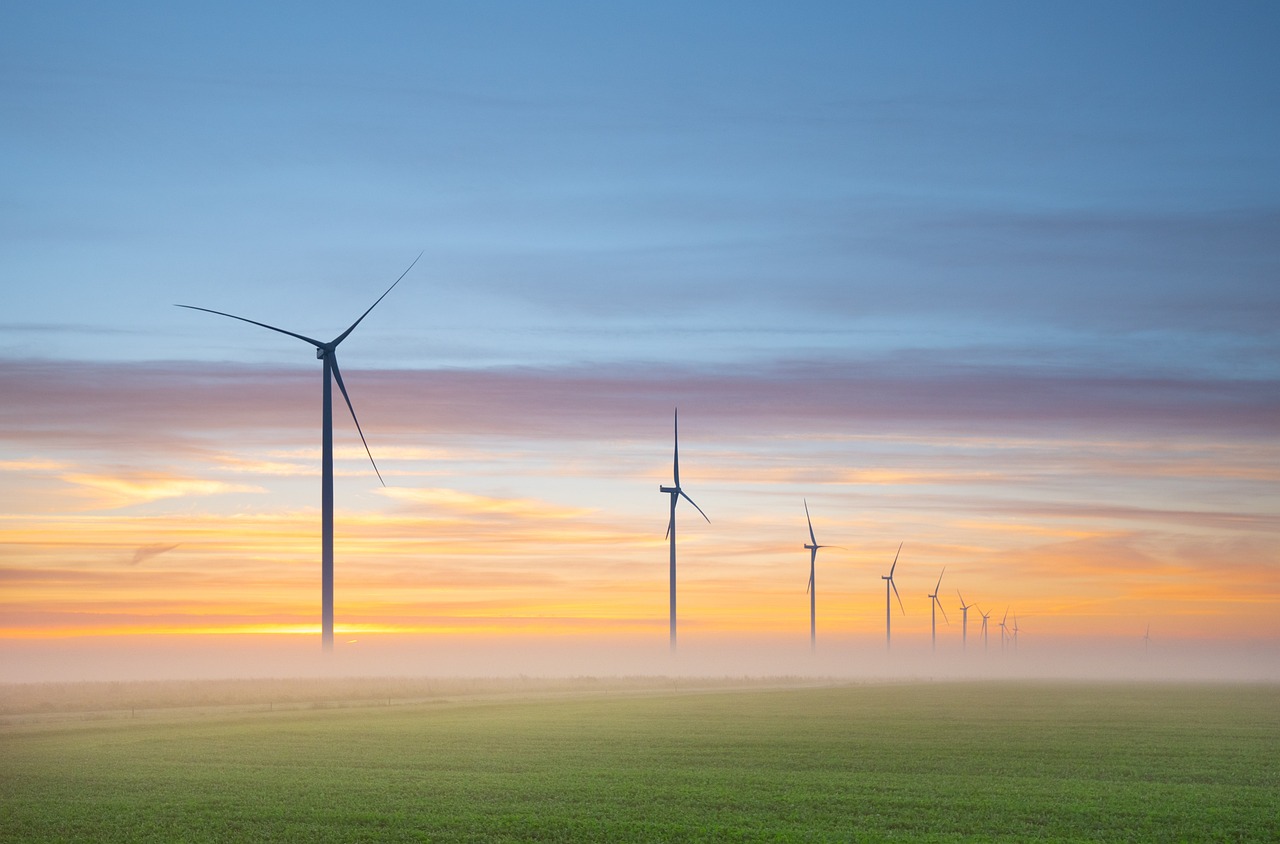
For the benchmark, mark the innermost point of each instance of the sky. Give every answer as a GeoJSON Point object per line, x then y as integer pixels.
{"type": "Point", "coordinates": [995, 282]}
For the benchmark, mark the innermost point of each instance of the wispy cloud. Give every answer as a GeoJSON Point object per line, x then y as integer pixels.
{"type": "Point", "coordinates": [146, 552]}
{"type": "Point", "coordinates": [452, 501]}
{"type": "Point", "coordinates": [115, 491]}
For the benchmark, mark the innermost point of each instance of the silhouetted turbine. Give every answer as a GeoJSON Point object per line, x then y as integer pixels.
{"type": "Point", "coordinates": [1003, 629]}
{"type": "Point", "coordinates": [888, 582]}
{"type": "Point", "coordinates": [676, 493]}
{"type": "Point", "coordinates": [812, 588]}
{"type": "Point", "coordinates": [964, 622]}
{"type": "Point", "coordinates": [934, 605]}
{"type": "Point", "coordinates": [985, 616]}
{"type": "Point", "coordinates": [326, 352]}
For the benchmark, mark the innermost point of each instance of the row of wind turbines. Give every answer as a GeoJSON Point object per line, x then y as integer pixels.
{"type": "Point", "coordinates": [1008, 633]}
{"type": "Point", "coordinates": [327, 353]}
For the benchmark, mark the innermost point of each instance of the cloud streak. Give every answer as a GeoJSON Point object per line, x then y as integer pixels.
{"type": "Point", "coordinates": [181, 404]}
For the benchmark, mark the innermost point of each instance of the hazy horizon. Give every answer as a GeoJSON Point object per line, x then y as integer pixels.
{"type": "Point", "coordinates": [215, 657]}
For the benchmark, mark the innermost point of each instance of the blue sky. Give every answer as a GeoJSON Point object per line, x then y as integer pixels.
{"type": "Point", "coordinates": [999, 278]}
{"type": "Point", "coordinates": [1095, 183]}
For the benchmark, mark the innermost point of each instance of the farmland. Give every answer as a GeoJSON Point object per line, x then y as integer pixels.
{"type": "Point", "coordinates": [641, 760]}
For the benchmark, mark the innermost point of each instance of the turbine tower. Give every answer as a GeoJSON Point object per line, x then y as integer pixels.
{"type": "Point", "coordinates": [888, 582]}
{"type": "Point", "coordinates": [676, 493]}
{"type": "Point", "coordinates": [326, 352]}
{"type": "Point", "coordinates": [935, 605]}
{"type": "Point", "coordinates": [964, 622]}
{"type": "Point", "coordinates": [812, 587]}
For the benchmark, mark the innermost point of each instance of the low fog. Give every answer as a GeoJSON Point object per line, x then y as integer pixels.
{"type": "Point", "coordinates": [123, 658]}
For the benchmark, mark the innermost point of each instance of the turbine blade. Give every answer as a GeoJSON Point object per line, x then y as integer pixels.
{"type": "Point", "coordinates": [337, 376]}
{"type": "Point", "coordinates": [895, 564]}
{"type": "Point", "coordinates": [935, 589]}
{"type": "Point", "coordinates": [695, 506]}
{"type": "Point", "coordinates": [675, 468]}
{"type": "Point", "coordinates": [810, 584]}
{"type": "Point", "coordinates": [344, 334]}
{"type": "Point", "coordinates": [812, 538]}
{"type": "Point", "coordinates": [944, 612]}
{"type": "Point", "coordinates": [302, 337]}
{"type": "Point", "coordinates": [672, 522]}
{"type": "Point", "coordinates": [896, 595]}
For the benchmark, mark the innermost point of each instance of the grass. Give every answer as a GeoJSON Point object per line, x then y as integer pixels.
{"type": "Point", "coordinates": [920, 762]}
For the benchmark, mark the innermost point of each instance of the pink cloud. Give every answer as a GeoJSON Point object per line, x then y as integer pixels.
{"type": "Point", "coordinates": [180, 403]}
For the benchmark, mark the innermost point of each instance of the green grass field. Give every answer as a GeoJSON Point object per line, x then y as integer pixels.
{"type": "Point", "coordinates": [920, 762]}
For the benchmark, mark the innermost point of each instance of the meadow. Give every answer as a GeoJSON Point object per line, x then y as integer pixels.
{"type": "Point", "coordinates": [642, 760]}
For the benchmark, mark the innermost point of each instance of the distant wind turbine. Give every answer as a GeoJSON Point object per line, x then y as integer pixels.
{"type": "Point", "coordinates": [1003, 629]}
{"type": "Point", "coordinates": [964, 622]}
{"type": "Point", "coordinates": [676, 493]}
{"type": "Point", "coordinates": [985, 616]}
{"type": "Point", "coordinates": [812, 588]}
{"type": "Point", "coordinates": [1015, 634]}
{"type": "Point", "coordinates": [935, 605]}
{"type": "Point", "coordinates": [326, 352]}
{"type": "Point", "coordinates": [1146, 640]}
{"type": "Point", "coordinates": [888, 582]}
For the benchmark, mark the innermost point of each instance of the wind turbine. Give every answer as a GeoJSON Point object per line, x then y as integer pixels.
{"type": "Point", "coordinates": [1003, 629]}
{"type": "Point", "coordinates": [935, 605]}
{"type": "Point", "coordinates": [985, 616]}
{"type": "Point", "coordinates": [676, 492]}
{"type": "Point", "coordinates": [812, 588]}
{"type": "Point", "coordinates": [888, 582]}
{"type": "Point", "coordinates": [1146, 640]}
{"type": "Point", "coordinates": [1015, 634]}
{"type": "Point", "coordinates": [964, 622]}
{"type": "Point", "coordinates": [326, 352]}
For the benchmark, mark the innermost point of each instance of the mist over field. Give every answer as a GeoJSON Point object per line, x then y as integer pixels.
{"type": "Point", "coordinates": [219, 657]}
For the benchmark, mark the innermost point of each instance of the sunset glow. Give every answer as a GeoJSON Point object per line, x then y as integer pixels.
{"type": "Point", "coordinates": [1018, 313]}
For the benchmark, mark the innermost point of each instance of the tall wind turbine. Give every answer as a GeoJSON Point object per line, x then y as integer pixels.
{"type": "Point", "coordinates": [934, 605]}
{"type": "Point", "coordinates": [326, 352]}
{"type": "Point", "coordinates": [964, 622]}
{"type": "Point", "coordinates": [1003, 628]}
{"type": "Point", "coordinates": [676, 493]}
{"type": "Point", "coordinates": [888, 582]}
{"type": "Point", "coordinates": [985, 616]}
{"type": "Point", "coordinates": [812, 588]}
{"type": "Point", "coordinates": [1015, 634]}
